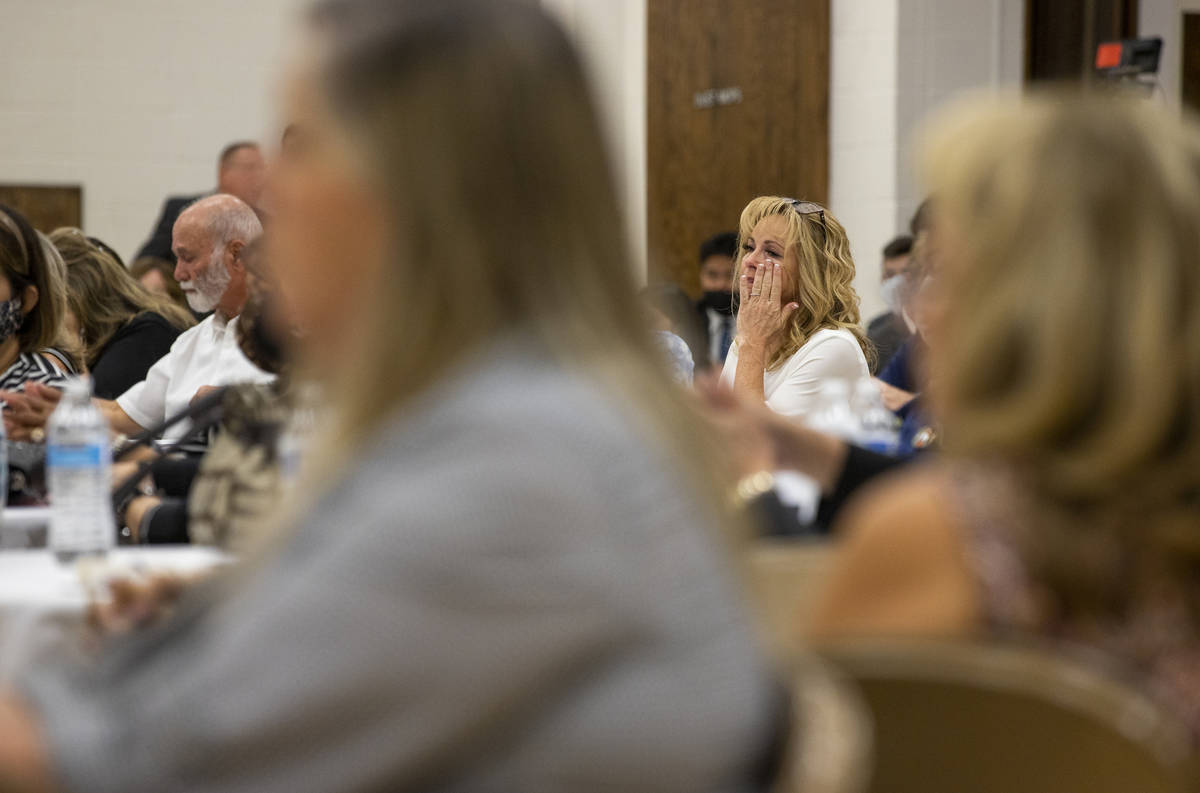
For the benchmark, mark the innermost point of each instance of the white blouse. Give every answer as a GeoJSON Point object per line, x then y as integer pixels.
{"type": "Point", "coordinates": [792, 388]}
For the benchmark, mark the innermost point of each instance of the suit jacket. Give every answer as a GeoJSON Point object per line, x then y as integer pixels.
{"type": "Point", "coordinates": [159, 244]}
{"type": "Point", "coordinates": [701, 342]}
{"type": "Point", "coordinates": [887, 332]}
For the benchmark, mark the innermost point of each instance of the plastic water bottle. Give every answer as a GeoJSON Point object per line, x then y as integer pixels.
{"type": "Point", "coordinates": [79, 476]}
{"type": "Point", "coordinates": [833, 414]}
{"type": "Point", "coordinates": [878, 428]}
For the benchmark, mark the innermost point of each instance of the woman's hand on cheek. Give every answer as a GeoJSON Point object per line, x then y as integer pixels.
{"type": "Point", "coordinates": [763, 316]}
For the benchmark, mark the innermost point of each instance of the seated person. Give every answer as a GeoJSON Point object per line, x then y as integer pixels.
{"type": "Point", "coordinates": [123, 328]}
{"type": "Point", "coordinates": [209, 238]}
{"type": "Point", "coordinates": [798, 322]}
{"type": "Point", "coordinates": [224, 497]}
{"type": "Point", "coordinates": [505, 569]}
{"type": "Point", "coordinates": [903, 381]}
{"type": "Point", "coordinates": [1064, 507]}
{"type": "Point", "coordinates": [715, 306]}
{"type": "Point", "coordinates": [34, 344]}
{"type": "Point", "coordinates": [241, 172]}
{"type": "Point", "coordinates": [891, 329]}
{"type": "Point", "coordinates": [669, 315]}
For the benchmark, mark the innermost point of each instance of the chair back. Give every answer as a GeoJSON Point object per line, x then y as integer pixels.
{"type": "Point", "coordinates": [975, 718]}
{"type": "Point", "coordinates": [829, 742]}
{"type": "Point", "coordinates": [785, 578]}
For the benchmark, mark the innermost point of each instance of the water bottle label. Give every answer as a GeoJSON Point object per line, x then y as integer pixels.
{"type": "Point", "coordinates": [88, 456]}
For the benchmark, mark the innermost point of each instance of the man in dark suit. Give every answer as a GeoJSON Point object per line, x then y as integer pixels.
{"type": "Point", "coordinates": [889, 330]}
{"type": "Point", "coordinates": [240, 172]}
{"type": "Point", "coordinates": [715, 307]}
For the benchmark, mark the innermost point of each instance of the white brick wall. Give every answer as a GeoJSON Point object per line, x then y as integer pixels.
{"type": "Point", "coordinates": [862, 133]}
{"type": "Point", "coordinates": [1165, 18]}
{"type": "Point", "coordinates": [133, 99]}
{"type": "Point", "coordinates": [611, 34]}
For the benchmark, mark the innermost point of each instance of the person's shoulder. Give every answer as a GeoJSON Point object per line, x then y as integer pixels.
{"type": "Point", "coordinates": [190, 336]}
{"type": "Point", "coordinates": [831, 337]}
{"type": "Point", "coordinates": [149, 319]}
{"type": "Point", "coordinates": [836, 347]}
{"type": "Point", "coordinates": [522, 413]}
{"type": "Point", "coordinates": [901, 567]}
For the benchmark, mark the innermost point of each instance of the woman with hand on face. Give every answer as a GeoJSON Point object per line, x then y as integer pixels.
{"type": "Point", "coordinates": [798, 322]}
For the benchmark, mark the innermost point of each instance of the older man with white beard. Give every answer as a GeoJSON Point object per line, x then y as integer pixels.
{"type": "Point", "coordinates": [208, 241]}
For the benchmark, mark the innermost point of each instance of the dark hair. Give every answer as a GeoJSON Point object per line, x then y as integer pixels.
{"type": "Point", "coordinates": [234, 148]}
{"type": "Point", "coordinates": [920, 219]}
{"type": "Point", "coordinates": [900, 246]}
{"type": "Point", "coordinates": [25, 260]}
{"type": "Point", "coordinates": [104, 246]}
{"type": "Point", "coordinates": [723, 244]}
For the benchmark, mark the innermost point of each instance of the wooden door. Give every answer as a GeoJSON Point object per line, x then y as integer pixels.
{"type": "Point", "coordinates": [1062, 35]}
{"type": "Point", "coordinates": [45, 207]}
{"type": "Point", "coordinates": [738, 106]}
{"type": "Point", "coordinates": [1190, 67]}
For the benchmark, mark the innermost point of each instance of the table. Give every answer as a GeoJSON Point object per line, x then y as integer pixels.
{"type": "Point", "coordinates": [42, 602]}
{"type": "Point", "coordinates": [24, 527]}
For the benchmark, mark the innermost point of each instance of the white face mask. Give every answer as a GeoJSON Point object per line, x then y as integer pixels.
{"type": "Point", "coordinates": [892, 291]}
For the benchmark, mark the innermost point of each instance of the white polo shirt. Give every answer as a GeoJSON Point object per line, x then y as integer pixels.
{"type": "Point", "coordinates": [207, 354]}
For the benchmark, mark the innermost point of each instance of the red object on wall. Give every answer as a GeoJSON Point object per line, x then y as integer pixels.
{"type": "Point", "coordinates": [1108, 55]}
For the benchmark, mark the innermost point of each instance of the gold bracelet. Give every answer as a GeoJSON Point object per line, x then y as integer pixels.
{"type": "Point", "coordinates": [751, 487]}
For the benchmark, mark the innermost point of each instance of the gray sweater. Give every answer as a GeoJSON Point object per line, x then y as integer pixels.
{"type": "Point", "coordinates": [512, 590]}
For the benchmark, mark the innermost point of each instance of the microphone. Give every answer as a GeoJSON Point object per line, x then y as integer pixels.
{"type": "Point", "coordinates": [198, 412]}
{"type": "Point", "coordinates": [205, 414]}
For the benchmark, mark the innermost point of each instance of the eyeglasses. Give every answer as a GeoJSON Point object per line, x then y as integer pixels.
{"type": "Point", "coordinates": [809, 208]}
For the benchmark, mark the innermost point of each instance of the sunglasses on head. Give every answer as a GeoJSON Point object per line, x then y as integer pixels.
{"type": "Point", "coordinates": [808, 208]}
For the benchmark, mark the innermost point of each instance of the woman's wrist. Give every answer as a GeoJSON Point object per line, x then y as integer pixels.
{"type": "Point", "coordinates": [751, 347]}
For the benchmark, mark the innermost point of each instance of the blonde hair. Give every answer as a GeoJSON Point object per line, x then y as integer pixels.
{"type": "Point", "coordinates": [825, 283]}
{"type": "Point", "coordinates": [1071, 350]}
{"type": "Point", "coordinates": [103, 295]}
{"type": "Point", "coordinates": [526, 214]}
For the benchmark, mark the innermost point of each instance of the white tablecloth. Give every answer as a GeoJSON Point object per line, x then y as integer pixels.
{"type": "Point", "coordinates": [42, 601]}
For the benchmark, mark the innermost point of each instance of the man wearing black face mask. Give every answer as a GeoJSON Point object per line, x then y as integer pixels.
{"type": "Point", "coordinates": [716, 306]}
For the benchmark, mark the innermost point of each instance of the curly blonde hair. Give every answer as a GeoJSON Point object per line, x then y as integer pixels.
{"type": "Point", "coordinates": [825, 279]}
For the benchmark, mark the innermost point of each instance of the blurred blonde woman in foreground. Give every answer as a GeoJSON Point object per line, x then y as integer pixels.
{"type": "Point", "coordinates": [797, 311]}
{"type": "Point", "coordinates": [1067, 371]}
{"type": "Point", "coordinates": [507, 572]}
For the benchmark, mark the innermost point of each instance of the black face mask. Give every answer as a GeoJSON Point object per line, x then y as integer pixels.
{"type": "Point", "coordinates": [720, 302]}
